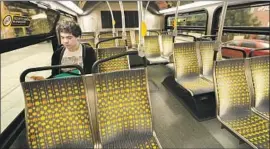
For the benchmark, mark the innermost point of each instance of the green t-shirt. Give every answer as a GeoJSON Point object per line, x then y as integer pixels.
{"type": "Point", "coordinates": [67, 74]}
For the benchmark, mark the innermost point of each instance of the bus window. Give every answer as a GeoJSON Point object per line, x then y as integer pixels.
{"type": "Point", "coordinates": [248, 17]}
{"type": "Point", "coordinates": [12, 99]}
{"type": "Point", "coordinates": [23, 19]}
{"type": "Point", "coordinates": [248, 25]}
{"type": "Point", "coordinates": [192, 23]}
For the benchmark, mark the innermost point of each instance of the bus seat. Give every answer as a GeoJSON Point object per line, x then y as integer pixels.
{"type": "Point", "coordinates": [115, 64]}
{"type": "Point", "coordinates": [187, 69]}
{"type": "Point", "coordinates": [194, 90]}
{"type": "Point", "coordinates": [128, 38]}
{"type": "Point", "coordinates": [106, 44]}
{"type": "Point", "coordinates": [136, 37]}
{"type": "Point", "coordinates": [259, 68]}
{"type": "Point", "coordinates": [234, 103]}
{"type": "Point", "coordinates": [105, 35]}
{"type": "Point", "coordinates": [206, 49]}
{"type": "Point", "coordinates": [87, 35]}
{"type": "Point", "coordinates": [152, 50]}
{"type": "Point", "coordinates": [122, 43]}
{"type": "Point", "coordinates": [56, 114]}
{"type": "Point", "coordinates": [90, 41]}
{"type": "Point", "coordinates": [167, 49]}
{"type": "Point", "coordinates": [167, 45]}
{"type": "Point", "coordinates": [124, 110]}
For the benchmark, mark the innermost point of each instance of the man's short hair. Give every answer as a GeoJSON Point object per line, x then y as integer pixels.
{"type": "Point", "coordinates": [71, 27]}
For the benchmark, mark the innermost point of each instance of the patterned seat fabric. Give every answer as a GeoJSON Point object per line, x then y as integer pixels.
{"type": "Point", "coordinates": [105, 35]}
{"type": "Point", "coordinates": [234, 103]}
{"type": "Point", "coordinates": [167, 45]}
{"type": "Point", "coordinates": [187, 70]}
{"type": "Point", "coordinates": [207, 54]}
{"type": "Point", "coordinates": [90, 41]}
{"type": "Point", "coordinates": [123, 110]}
{"type": "Point", "coordinates": [115, 64]}
{"type": "Point", "coordinates": [259, 67]}
{"type": "Point", "coordinates": [106, 44]}
{"type": "Point", "coordinates": [151, 46]}
{"type": "Point", "coordinates": [56, 114]}
{"type": "Point", "coordinates": [122, 42]}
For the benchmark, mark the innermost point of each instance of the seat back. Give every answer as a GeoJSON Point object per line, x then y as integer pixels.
{"type": "Point", "coordinates": [167, 45]}
{"type": "Point", "coordinates": [185, 60]}
{"type": "Point", "coordinates": [136, 37]}
{"type": "Point", "coordinates": [122, 42]}
{"type": "Point", "coordinates": [123, 104]}
{"type": "Point", "coordinates": [90, 41]}
{"type": "Point", "coordinates": [114, 64]}
{"type": "Point", "coordinates": [88, 35]}
{"type": "Point", "coordinates": [259, 68]}
{"type": "Point", "coordinates": [106, 44]}
{"type": "Point", "coordinates": [151, 46]}
{"type": "Point", "coordinates": [105, 35]}
{"type": "Point", "coordinates": [232, 90]}
{"type": "Point", "coordinates": [206, 49]}
{"type": "Point", "coordinates": [57, 114]}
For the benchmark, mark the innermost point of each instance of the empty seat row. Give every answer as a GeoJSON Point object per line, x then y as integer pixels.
{"type": "Point", "coordinates": [158, 49]}
{"type": "Point", "coordinates": [104, 110]}
{"type": "Point", "coordinates": [192, 80]}
{"type": "Point", "coordinates": [242, 93]}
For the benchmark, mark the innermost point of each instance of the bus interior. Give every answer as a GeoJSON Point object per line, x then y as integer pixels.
{"type": "Point", "coordinates": [168, 74]}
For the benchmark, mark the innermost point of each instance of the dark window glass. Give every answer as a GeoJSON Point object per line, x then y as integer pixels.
{"type": "Point", "coordinates": [131, 19]}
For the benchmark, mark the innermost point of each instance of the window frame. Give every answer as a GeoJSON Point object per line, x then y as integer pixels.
{"type": "Point", "coordinates": [239, 29]}
{"type": "Point", "coordinates": [189, 28]}
{"type": "Point", "coordinates": [11, 44]}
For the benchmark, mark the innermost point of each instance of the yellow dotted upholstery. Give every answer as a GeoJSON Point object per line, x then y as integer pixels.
{"type": "Point", "coordinates": [197, 85]}
{"type": "Point", "coordinates": [187, 69]}
{"type": "Point", "coordinates": [137, 37]}
{"type": "Point", "coordinates": [123, 110]}
{"type": "Point", "coordinates": [252, 127]}
{"type": "Point", "coordinates": [90, 41]}
{"type": "Point", "coordinates": [151, 46]}
{"type": "Point", "coordinates": [260, 68]}
{"type": "Point", "coordinates": [207, 58]}
{"type": "Point", "coordinates": [232, 87]}
{"type": "Point", "coordinates": [106, 44]}
{"type": "Point", "coordinates": [122, 42]}
{"type": "Point", "coordinates": [185, 59]}
{"type": "Point", "coordinates": [57, 114]}
{"type": "Point", "coordinates": [234, 103]}
{"type": "Point", "coordinates": [114, 64]}
{"type": "Point", "coordinates": [167, 45]}
{"type": "Point", "coordinates": [87, 36]}
{"type": "Point", "coordinates": [105, 35]}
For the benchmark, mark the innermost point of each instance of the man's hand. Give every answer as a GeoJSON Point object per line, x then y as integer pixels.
{"type": "Point", "coordinates": [36, 78]}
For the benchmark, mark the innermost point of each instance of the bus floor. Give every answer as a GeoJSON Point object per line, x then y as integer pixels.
{"type": "Point", "coordinates": [174, 125]}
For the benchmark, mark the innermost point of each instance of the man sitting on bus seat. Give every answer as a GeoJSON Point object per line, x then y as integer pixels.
{"type": "Point", "coordinates": [72, 52]}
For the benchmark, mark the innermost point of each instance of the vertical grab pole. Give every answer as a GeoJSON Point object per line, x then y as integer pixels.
{"type": "Point", "coordinates": [113, 21]}
{"type": "Point", "coordinates": [123, 21]}
{"type": "Point", "coordinates": [140, 14]}
{"type": "Point", "coordinates": [175, 20]}
{"type": "Point", "coordinates": [146, 9]}
{"type": "Point", "coordinates": [220, 30]}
